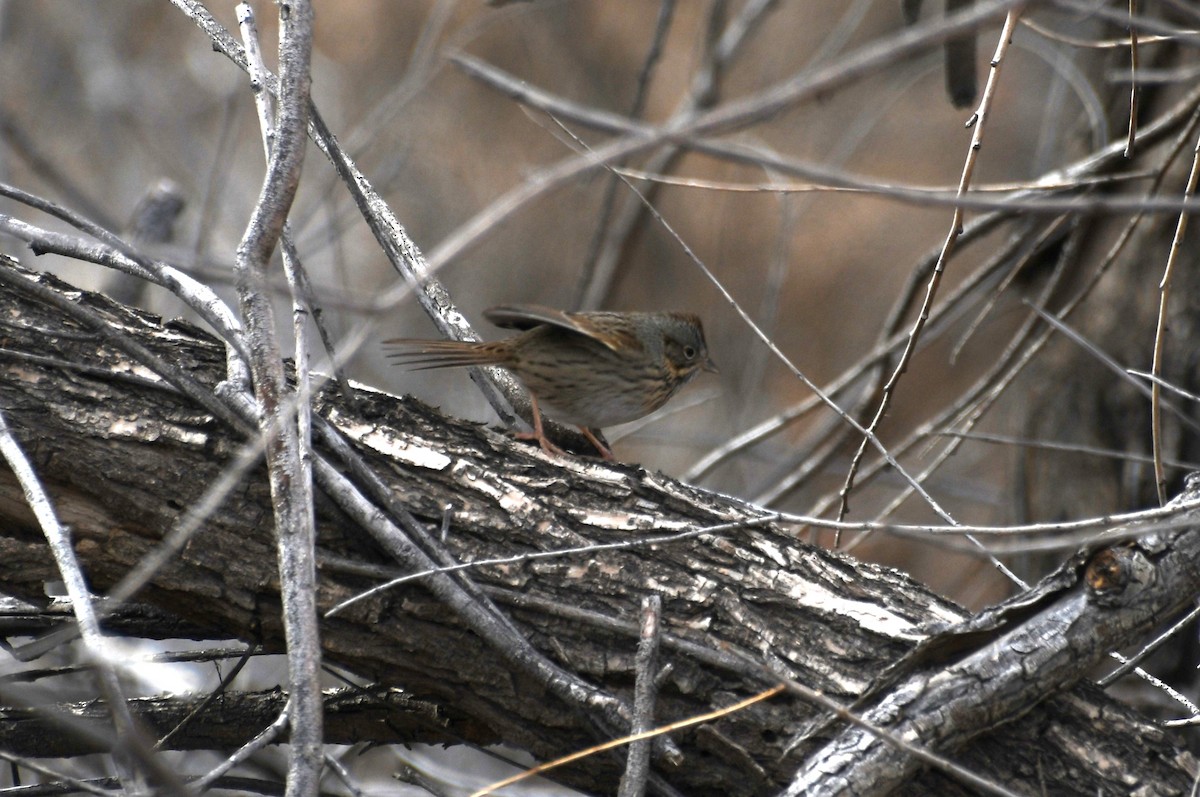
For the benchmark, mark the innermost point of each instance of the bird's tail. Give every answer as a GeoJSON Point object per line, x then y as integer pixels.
{"type": "Point", "coordinates": [421, 355]}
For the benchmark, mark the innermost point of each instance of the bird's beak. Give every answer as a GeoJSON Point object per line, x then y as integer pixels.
{"type": "Point", "coordinates": [710, 366]}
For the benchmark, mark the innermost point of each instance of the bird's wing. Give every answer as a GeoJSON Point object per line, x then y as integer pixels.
{"type": "Point", "coordinates": [528, 316]}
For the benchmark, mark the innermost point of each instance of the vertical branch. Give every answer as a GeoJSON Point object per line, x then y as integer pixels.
{"type": "Point", "coordinates": [637, 767]}
{"type": "Point", "coordinates": [1133, 79]}
{"type": "Point", "coordinates": [303, 296]}
{"type": "Point", "coordinates": [291, 498]}
{"type": "Point", "coordinates": [614, 230]}
{"type": "Point", "coordinates": [301, 293]}
{"type": "Point", "coordinates": [978, 120]}
{"type": "Point", "coordinates": [597, 281]}
{"type": "Point", "coordinates": [1160, 332]}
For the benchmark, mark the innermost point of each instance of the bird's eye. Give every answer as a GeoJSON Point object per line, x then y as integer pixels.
{"type": "Point", "coordinates": [689, 352]}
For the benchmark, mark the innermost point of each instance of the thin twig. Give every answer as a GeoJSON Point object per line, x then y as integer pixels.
{"type": "Point", "coordinates": [1160, 332]}
{"type": "Point", "coordinates": [640, 542]}
{"type": "Point", "coordinates": [1039, 197]}
{"type": "Point", "coordinates": [624, 740]}
{"type": "Point", "coordinates": [1107, 44]}
{"type": "Point", "coordinates": [267, 736]}
{"type": "Point", "coordinates": [1147, 649]}
{"type": "Point", "coordinates": [210, 698]}
{"type": "Point", "coordinates": [979, 120]}
{"type": "Point", "coordinates": [53, 776]}
{"type": "Point", "coordinates": [121, 255]}
{"type": "Point", "coordinates": [595, 282]}
{"type": "Point", "coordinates": [777, 423]}
{"type": "Point", "coordinates": [1133, 81]}
{"type": "Point", "coordinates": [344, 776]}
{"type": "Point", "coordinates": [940, 316]}
{"type": "Point", "coordinates": [735, 115]}
{"type": "Point", "coordinates": [1011, 352]}
{"type": "Point", "coordinates": [1073, 448]}
{"type": "Point", "coordinates": [1173, 388]}
{"type": "Point", "coordinates": [1112, 365]}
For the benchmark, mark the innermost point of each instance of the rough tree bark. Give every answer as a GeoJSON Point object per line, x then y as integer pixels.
{"type": "Point", "coordinates": [124, 455]}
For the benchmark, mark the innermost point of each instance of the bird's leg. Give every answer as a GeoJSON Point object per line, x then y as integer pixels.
{"type": "Point", "coordinates": [538, 433]}
{"type": "Point", "coordinates": [604, 450]}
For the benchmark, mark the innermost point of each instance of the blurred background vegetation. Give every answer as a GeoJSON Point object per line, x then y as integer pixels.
{"type": "Point", "coordinates": [102, 102]}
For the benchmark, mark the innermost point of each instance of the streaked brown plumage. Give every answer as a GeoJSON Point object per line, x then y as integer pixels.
{"type": "Point", "coordinates": [589, 369]}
